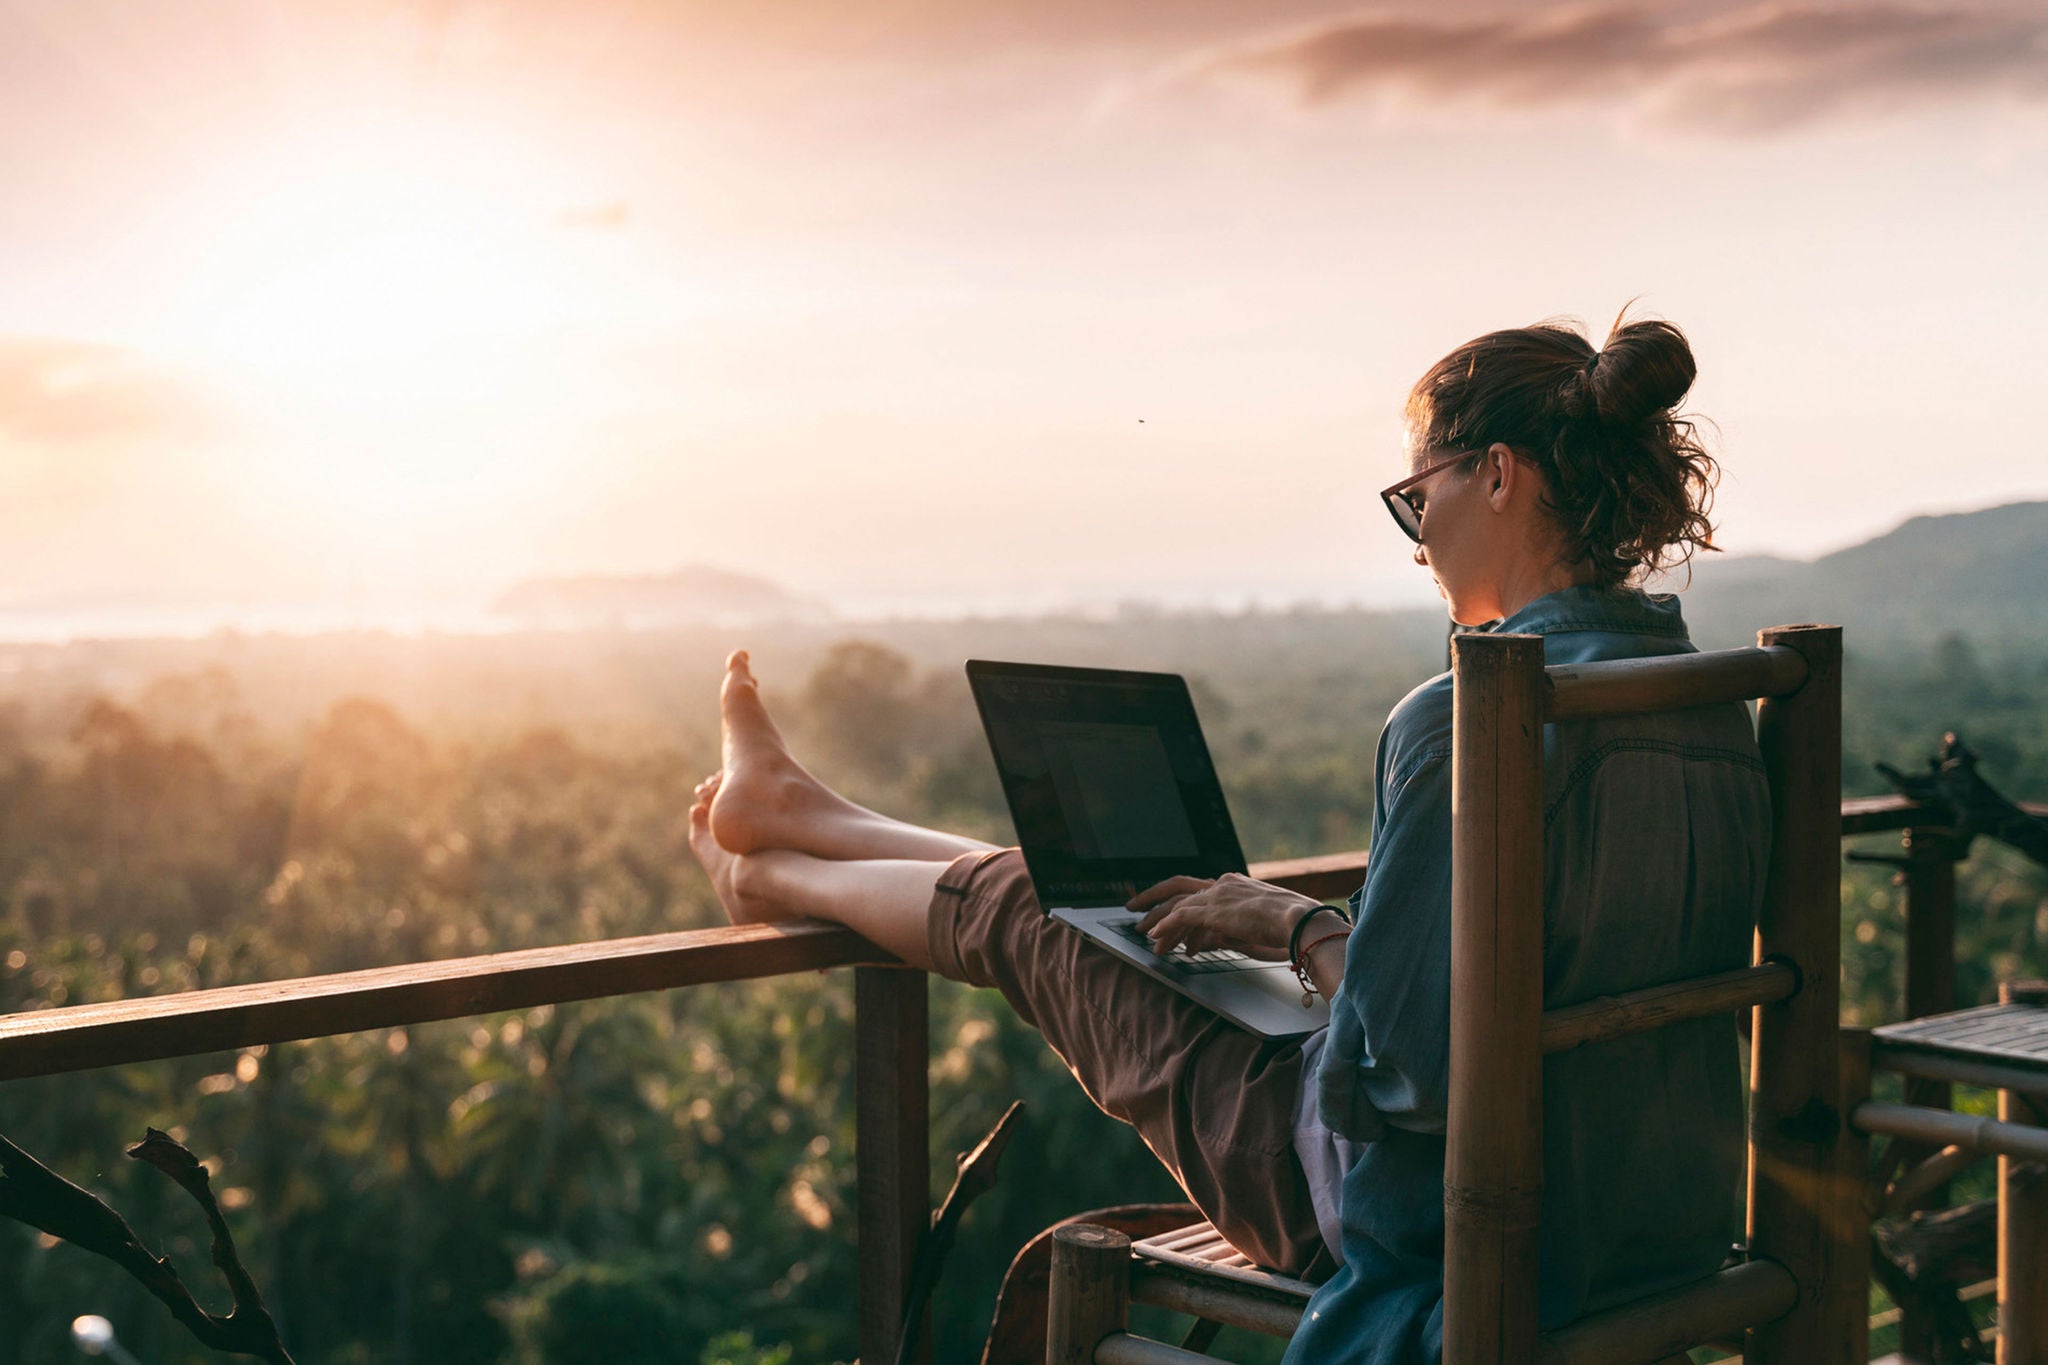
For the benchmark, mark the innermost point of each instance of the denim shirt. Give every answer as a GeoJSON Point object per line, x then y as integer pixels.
{"type": "Point", "coordinates": [1656, 834]}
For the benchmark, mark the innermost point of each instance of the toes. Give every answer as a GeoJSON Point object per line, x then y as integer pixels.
{"type": "Point", "coordinates": [739, 703]}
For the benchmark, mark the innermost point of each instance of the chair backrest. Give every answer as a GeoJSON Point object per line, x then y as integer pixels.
{"type": "Point", "coordinates": [1799, 1296]}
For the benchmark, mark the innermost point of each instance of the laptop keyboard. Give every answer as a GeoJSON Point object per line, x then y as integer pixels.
{"type": "Point", "coordinates": [1209, 960]}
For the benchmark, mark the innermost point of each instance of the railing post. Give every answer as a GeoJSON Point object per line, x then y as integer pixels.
{"type": "Point", "coordinates": [2022, 1226]}
{"type": "Point", "coordinates": [892, 1149]}
{"type": "Point", "coordinates": [1929, 875]}
{"type": "Point", "coordinates": [1089, 1295]}
{"type": "Point", "coordinates": [1493, 1163]}
{"type": "Point", "coordinates": [1852, 1170]}
{"type": "Point", "coordinates": [1799, 1212]}
{"type": "Point", "coordinates": [1930, 878]}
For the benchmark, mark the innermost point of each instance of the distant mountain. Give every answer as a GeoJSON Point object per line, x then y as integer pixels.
{"type": "Point", "coordinates": [1983, 573]}
{"type": "Point", "coordinates": [693, 595]}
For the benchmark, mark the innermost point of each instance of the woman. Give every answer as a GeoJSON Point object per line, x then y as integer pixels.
{"type": "Point", "coordinates": [1544, 478]}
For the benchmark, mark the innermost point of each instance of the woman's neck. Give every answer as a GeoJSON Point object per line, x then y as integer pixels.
{"type": "Point", "coordinates": [1519, 588]}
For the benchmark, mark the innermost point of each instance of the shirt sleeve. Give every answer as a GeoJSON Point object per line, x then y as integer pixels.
{"type": "Point", "coordinates": [1387, 1061]}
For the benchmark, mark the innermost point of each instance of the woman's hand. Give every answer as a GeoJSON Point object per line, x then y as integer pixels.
{"type": "Point", "coordinates": [1255, 918]}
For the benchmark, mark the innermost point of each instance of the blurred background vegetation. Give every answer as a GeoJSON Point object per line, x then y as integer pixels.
{"type": "Point", "coordinates": [667, 1176]}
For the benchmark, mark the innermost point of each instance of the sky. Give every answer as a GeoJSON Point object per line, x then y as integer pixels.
{"type": "Point", "coordinates": [362, 312]}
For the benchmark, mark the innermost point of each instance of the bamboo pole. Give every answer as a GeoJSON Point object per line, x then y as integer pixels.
{"type": "Point", "coordinates": [1938, 1128]}
{"type": "Point", "coordinates": [1909, 1061]}
{"type": "Point", "coordinates": [1617, 1016]}
{"type": "Point", "coordinates": [2022, 1226]}
{"type": "Point", "coordinates": [1090, 1293]}
{"type": "Point", "coordinates": [1621, 687]}
{"type": "Point", "coordinates": [1795, 1203]}
{"type": "Point", "coordinates": [1119, 1348]}
{"type": "Point", "coordinates": [1646, 1329]}
{"type": "Point", "coordinates": [1493, 1164]}
{"type": "Point", "coordinates": [1233, 1305]}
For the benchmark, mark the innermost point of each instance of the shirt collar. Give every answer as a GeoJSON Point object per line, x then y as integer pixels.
{"type": "Point", "coordinates": [1625, 611]}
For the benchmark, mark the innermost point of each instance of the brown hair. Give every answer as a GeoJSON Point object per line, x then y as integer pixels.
{"type": "Point", "coordinates": [1630, 484]}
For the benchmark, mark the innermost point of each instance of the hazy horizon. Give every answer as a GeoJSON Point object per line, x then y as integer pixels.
{"type": "Point", "coordinates": [363, 313]}
{"type": "Point", "coordinates": [58, 625]}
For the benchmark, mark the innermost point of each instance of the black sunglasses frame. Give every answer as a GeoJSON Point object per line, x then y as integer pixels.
{"type": "Point", "coordinates": [1401, 504]}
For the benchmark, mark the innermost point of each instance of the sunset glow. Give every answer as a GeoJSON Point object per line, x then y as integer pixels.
{"type": "Point", "coordinates": [432, 299]}
{"type": "Point", "coordinates": [398, 267]}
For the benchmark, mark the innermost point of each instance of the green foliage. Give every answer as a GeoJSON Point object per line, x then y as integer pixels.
{"type": "Point", "coordinates": [666, 1173]}
{"type": "Point", "coordinates": [628, 1312]}
{"type": "Point", "coordinates": [738, 1348]}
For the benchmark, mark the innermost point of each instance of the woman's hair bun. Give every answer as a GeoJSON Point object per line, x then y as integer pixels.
{"type": "Point", "coordinates": [1641, 374]}
{"type": "Point", "coordinates": [1626, 478]}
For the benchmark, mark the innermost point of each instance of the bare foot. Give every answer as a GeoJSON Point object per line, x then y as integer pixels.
{"type": "Point", "coordinates": [764, 798]}
{"type": "Point", "coordinates": [727, 870]}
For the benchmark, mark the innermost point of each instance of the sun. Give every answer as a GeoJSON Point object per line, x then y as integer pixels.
{"type": "Point", "coordinates": [389, 296]}
{"type": "Point", "coordinates": [388, 265]}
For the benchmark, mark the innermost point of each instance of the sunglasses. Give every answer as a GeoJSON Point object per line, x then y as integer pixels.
{"type": "Point", "coordinates": [1407, 512]}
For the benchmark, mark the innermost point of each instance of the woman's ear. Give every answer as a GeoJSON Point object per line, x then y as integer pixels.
{"type": "Point", "coordinates": [1501, 467]}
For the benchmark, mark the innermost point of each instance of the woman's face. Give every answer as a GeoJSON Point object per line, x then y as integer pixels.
{"type": "Point", "coordinates": [1460, 544]}
{"type": "Point", "coordinates": [1487, 535]}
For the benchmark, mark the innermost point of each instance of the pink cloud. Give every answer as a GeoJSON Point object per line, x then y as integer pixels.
{"type": "Point", "coordinates": [1754, 68]}
{"type": "Point", "coordinates": [63, 393]}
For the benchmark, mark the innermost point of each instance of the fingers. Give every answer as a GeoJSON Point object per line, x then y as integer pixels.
{"type": "Point", "coordinates": [1177, 928]}
{"type": "Point", "coordinates": [1167, 890]}
{"type": "Point", "coordinates": [1174, 902]}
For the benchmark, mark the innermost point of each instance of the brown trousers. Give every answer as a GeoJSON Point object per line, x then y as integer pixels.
{"type": "Point", "coordinates": [1214, 1103]}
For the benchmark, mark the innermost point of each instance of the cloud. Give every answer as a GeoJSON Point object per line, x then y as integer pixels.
{"type": "Point", "coordinates": [607, 217]}
{"type": "Point", "coordinates": [109, 479]}
{"type": "Point", "coordinates": [63, 393]}
{"type": "Point", "coordinates": [1751, 69]}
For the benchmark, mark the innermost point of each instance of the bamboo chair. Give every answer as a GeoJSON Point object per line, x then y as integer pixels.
{"type": "Point", "coordinates": [1798, 1296]}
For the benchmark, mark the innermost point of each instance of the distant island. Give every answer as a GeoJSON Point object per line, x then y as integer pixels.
{"type": "Point", "coordinates": [1982, 572]}
{"type": "Point", "coordinates": [693, 595]}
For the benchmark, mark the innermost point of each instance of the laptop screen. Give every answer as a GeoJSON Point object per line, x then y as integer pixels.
{"type": "Point", "coordinates": [1108, 779]}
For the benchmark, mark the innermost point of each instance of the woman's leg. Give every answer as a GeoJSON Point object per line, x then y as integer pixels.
{"type": "Point", "coordinates": [764, 799]}
{"type": "Point", "coordinates": [1215, 1104]}
{"type": "Point", "coordinates": [885, 900]}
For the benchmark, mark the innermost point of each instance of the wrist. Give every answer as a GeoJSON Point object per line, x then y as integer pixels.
{"type": "Point", "coordinates": [1294, 939]}
{"type": "Point", "coordinates": [1303, 947]}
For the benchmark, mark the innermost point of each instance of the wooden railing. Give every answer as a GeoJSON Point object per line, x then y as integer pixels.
{"type": "Point", "coordinates": [891, 1061]}
{"type": "Point", "coordinates": [891, 1052]}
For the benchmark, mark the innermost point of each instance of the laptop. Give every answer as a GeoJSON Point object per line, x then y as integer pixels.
{"type": "Point", "coordinates": [1112, 790]}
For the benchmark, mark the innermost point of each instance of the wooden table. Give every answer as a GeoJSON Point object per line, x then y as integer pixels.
{"type": "Point", "coordinates": [2002, 1047]}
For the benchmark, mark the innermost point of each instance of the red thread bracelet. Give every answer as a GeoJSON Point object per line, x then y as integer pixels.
{"type": "Point", "coordinates": [1300, 964]}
